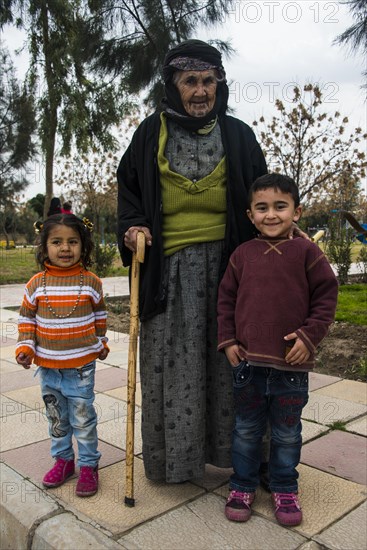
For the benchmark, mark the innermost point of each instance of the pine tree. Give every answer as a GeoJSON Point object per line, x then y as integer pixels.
{"type": "Point", "coordinates": [87, 57]}
{"type": "Point", "coordinates": [355, 36]}
{"type": "Point", "coordinates": [132, 39]}
{"type": "Point", "coordinates": [71, 104]}
{"type": "Point", "coordinates": [17, 147]}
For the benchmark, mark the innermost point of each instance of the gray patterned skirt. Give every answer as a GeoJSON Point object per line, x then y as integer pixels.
{"type": "Point", "coordinates": [187, 399]}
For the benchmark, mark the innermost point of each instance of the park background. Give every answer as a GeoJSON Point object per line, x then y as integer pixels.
{"type": "Point", "coordinates": [79, 77]}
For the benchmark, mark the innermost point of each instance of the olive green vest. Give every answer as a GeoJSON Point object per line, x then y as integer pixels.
{"type": "Point", "coordinates": [193, 211]}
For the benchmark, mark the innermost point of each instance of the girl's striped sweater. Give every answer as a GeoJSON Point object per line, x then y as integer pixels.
{"type": "Point", "coordinates": [67, 342]}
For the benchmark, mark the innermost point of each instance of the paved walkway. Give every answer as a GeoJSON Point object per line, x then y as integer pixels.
{"type": "Point", "coordinates": [173, 517]}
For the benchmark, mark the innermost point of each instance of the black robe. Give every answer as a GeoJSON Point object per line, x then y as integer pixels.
{"type": "Point", "coordinates": [140, 202]}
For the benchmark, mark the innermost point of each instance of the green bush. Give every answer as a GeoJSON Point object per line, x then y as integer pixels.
{"type": "Point", "coordinates": [339, 247]}
{"type": "Point", "coordinates": [362, 259]}
{"type": "Point", "coordinates": [104, 256]}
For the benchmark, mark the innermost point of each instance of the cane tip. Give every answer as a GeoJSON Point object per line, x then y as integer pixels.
{"type": "Point", "coordinates": [130, 502]}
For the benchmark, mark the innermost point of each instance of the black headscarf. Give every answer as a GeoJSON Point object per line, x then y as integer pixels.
{"type": "Point", "coordinates": [210, 58]}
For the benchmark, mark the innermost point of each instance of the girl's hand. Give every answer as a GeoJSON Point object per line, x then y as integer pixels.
{"type": "Point", "coordinates": [24, 360]}
{"type": "Point", "coordinates": [299, 352]}
{"type": "Point", "coordinates": [103, 354]}
{"type": "Point", "coordinates": [131, 235]}
{"type": "Point", "coordinates": [233, 355]}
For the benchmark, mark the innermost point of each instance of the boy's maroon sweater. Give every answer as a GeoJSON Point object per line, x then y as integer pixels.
{"type": "Point", "coordinates": [270, 289]}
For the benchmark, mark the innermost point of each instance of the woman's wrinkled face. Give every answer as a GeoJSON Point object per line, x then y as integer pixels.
{"type": "Point", "coordinates": [197, 90]}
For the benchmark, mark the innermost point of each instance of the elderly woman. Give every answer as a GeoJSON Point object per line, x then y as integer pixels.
{"type": "Point", "coordinates": [183, 181]}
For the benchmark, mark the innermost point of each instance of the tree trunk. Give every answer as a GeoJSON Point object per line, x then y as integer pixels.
{"type": "Point", "coordinates": [49, 160]}
{"type": "Point", "coordinates": [50, 115]}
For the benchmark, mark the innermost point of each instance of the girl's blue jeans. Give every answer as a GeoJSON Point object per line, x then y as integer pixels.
{"type": "Point", "coordinates": [69, 395]}
{"type": "Point", "coordinates": [262, 395]}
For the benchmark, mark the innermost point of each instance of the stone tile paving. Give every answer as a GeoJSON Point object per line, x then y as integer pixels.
{"type": "Point", "coordinates": [35, 460]}
{"type": "Point", "coordinates": [66, 532]}
{"type": "Point", "coordinates": [9, 317]}
{"type": "Point", "coordinates": [8, 332]}
{"type": "Point", "coordinates": [109, 408]}
{"type": "Point", "coordinates": [324, 499]}
{"type": "Point", "coordinates": [121, 393]}
{"type": "Point", "coordinates": [197, 516]}
{"type": "Point", "coordinates": [10, 366]}
{"type": "Point", "coordinates": [9, 407]}
{"type": "Point", "coordinates": [326, 410]}
{"type": "Point", "coordinates": [7, 341]}
{"type": "Point", "coordinates": [318, 380]}
{"type": "Point", "coordinates": [7, 353]}
{"type": "Point", "coordinates": [30, 397]}
{"type": "Point", "coordinates": [107, 507]}
{"type": "Point", "coordinates": [348, 533]}
{"type": "Point", "coordinates": [349, 390]}
{"type": "Point", "coordinates": [310, 430]}
{"type": "Point", "coordinates": [202, 525]}
{"type": "Point", "coordinates": [358, 426]}
{"type": "Point", "coordinates": [21, 429]}
{"type": "Point", "coordinates": [115, 433]}
{"type": "Point", "coordinates": [18, 379]}
{"type": "Point", "coordinates": [339, 453]}
{"type": "Point", "coordinates": [108, 379]}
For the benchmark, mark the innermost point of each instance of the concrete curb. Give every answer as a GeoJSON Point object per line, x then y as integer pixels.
{"type": "Point", "coordinates": [32, 520]}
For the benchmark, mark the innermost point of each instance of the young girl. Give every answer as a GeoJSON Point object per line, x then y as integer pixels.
{"type": "Point", "coordinates": [62, 327]}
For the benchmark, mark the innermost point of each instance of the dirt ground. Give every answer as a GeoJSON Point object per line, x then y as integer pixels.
{"type": "Point", "coordinates": [342, 353]}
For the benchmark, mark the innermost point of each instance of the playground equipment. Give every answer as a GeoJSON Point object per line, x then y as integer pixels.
{"type": "Point", "coordinates": [317, 236]}
{"type": "Point", "coordinates": [360, 228]}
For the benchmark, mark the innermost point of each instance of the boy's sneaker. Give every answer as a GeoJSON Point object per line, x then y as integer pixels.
{"type": "Point", "coordinates": [60, 472]}
{"type": "Point", "coordinates": [287, 508]}
{"type": "Point", "coordinates": [238, 506]}
{"type": "Point", "coordinates": [88, 481]}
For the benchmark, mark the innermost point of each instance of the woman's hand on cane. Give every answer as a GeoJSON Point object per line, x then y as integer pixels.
{"type": "Point", "coordinates": [131, 235]}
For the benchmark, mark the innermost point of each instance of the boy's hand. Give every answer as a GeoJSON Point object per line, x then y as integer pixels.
{"type": "Point", "coordinates": [233, 355]}
{"type": "Point", "coordinates": [299, 352]}
{"type": "Point", "coordinates": [24, 360]}
{"type": "Point", "coordinates": [103, 354]}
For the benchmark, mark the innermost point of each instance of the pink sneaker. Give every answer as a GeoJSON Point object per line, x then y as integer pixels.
{"type": "Point", "coordinates": [88, 481]}
{"type": "Point", "coordinates": [287, 508]}
{"type": "Point", "coordinates": [60, 472]}
{"type": "Point", "coordinates": [238, 506]}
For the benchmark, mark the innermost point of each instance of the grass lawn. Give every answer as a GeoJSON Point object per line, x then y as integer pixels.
{"type": "Point", "coordinates": [19, 264]}
{"type": "Point", "coordinates": [352, 304]}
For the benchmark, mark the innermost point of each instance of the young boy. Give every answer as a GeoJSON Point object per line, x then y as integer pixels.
{"type": "Point", "coordinates": [276, 301]}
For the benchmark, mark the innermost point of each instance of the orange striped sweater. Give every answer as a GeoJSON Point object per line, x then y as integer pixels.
{"type": "Point", "coordinates": [69, 342]}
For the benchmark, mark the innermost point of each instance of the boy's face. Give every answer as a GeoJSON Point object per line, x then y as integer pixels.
{"type": "Point", "coordinates": [273, 212]}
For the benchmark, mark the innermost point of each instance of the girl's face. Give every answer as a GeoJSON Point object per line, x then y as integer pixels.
{"type": "Point", "coordinates": [64, 246]}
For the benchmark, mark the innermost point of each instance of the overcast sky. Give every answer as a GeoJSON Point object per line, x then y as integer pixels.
{"type": "Point", "coordinates": [278, 43]}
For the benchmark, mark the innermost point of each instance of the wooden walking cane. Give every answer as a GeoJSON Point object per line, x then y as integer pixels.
{"type": "Point", "coordinates": [138, 258]}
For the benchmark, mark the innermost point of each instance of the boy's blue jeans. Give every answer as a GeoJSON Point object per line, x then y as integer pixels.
{"type": "Point", "coordinates": [261, 395]}
{"type": "Point", "coordinates": [69, 395]}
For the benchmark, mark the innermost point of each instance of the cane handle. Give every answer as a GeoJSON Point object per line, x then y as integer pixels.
{"type": "Point", "coordinates": [140, 247]}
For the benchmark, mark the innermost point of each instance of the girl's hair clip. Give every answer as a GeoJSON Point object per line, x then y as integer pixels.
{"type": "Point", "coordinates": [88, 224]}
{"type": "Point", "coordinates": [38, 227]}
